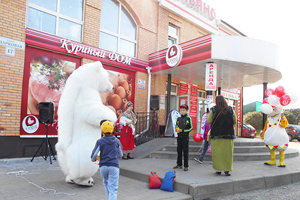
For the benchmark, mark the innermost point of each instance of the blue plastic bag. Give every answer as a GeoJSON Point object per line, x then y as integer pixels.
{"type": "Point", "coordinates": [168, 182]}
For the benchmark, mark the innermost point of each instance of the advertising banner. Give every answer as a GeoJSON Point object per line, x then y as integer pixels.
{"type": "Point", "coordinates": [45, 76]}
{"type": "Point", "coordinates": [194, 105]}
{"type": "Point", "coordinates": [211, 77]}
{"type": "Point", "coordinates": [184, 88]}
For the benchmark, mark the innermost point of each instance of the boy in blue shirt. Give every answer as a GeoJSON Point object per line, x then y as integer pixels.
{"type": "Point", "coordinates": [110, 150]}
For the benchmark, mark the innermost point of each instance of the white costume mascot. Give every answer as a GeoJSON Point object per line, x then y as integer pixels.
{"type": "Point", "coordinates": [274, 134]}
{"type": "Point", "coordinates": [79, 115]}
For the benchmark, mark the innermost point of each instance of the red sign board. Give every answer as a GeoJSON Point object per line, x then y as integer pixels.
{"type": "Point", "coordinates": [194, 105]}
{"type": "Point", "coordinates": [184, 88]}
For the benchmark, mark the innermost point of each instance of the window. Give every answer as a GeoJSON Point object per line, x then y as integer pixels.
{"type": "Point", "coordinates": [202, 94]}
{"type": "Point", "coordinates": [173, 88]}
{"type": "Point", "coordinates": [58, 17]}
{"type": "Point", "coordinates": [172, 35]}
{"type": "Point", "coordinates": [118, 30]}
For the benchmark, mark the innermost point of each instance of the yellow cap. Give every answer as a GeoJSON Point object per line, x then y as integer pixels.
{"type": "Point", "coordinates": [107, 127]}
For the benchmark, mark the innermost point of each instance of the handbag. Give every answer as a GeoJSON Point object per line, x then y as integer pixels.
{"type": "Point", "coordinates": [208, 134]}
{"type": "Point", "coordinates": [154, 181]}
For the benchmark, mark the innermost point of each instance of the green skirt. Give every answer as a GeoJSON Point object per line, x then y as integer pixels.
{"type": "Point", "coordinates": [222, 154]}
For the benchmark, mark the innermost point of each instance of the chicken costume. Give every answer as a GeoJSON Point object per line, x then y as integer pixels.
{"type": "Point", "coordinates": [274, 134]}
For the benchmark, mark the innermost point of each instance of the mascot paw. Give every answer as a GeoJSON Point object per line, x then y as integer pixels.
{"type": "Point", "coordinates": [59, 147]}
{"type": "Point", "coordinates": [270, 162]}
{"type": "Point", "coordinates": [69, 180]}
{"type": "Point", "coordinates": [86, 182]}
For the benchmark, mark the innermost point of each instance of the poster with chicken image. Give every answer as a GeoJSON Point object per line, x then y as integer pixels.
{"type": "Point", "coordinates": [45, 76]}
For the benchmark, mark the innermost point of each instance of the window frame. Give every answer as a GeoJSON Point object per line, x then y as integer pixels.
{"type": "Point", "coordinates": [171, 37]}
{"type": "Point", "coordinates": [57, 16]}
{"type": "Point", "coordinates": [118, 35]}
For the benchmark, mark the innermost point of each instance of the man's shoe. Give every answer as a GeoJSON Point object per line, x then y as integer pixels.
{"type": "Point", "coordinates": [178, 167]}
{"type": "Point", "coordinates": [186, 169]}
{"type": "Point", "coordinates": [218, 173]}
{"type": "Point", "coordinates": [198, 161]}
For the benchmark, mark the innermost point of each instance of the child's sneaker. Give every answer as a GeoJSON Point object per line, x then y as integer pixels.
{"type": "Point", "coordinates": [197, 160]}
{"type": "Point", "coordinates": [186, 169]}
{"type": "Point", "coordinates": [177, 167]}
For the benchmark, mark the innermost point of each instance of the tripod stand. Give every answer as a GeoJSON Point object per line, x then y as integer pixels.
{"type": "Point", "coordinates": [48, 148]}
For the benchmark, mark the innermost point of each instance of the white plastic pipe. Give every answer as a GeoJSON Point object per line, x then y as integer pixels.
{"type": "Point", "coordinates": [148, 103]}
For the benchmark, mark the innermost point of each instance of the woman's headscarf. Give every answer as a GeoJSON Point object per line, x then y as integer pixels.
{"type": "Point", "coordinates": [129, 113]}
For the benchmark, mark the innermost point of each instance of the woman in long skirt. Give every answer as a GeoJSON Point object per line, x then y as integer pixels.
{"type": "Point", "coordinates": [222, 119]}
{"type": "Point", "coordinates": [128, 120]}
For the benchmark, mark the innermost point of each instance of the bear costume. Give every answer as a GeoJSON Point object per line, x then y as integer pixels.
{"type": "Point", "coordinates": [80, 112]}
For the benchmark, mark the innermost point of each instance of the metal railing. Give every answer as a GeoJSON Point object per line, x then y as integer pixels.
{"type": "Point", "coordinates": [142, 134]}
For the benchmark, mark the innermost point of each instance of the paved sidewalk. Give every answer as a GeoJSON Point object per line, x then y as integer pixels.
{"type": "Point", "coordinates": [22, 180]}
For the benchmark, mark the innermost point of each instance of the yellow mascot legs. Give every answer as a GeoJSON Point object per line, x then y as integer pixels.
{"type": "Point", "coordinates": [281, 159]}
{"type": "Point", "coordinates": [273, 158]}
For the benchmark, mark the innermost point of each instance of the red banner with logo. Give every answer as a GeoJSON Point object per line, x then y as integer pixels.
{"type": "Point", "coordinates": [45, 75]}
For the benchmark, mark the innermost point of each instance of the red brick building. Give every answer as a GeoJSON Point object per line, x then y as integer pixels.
{"type": "Point", "coordinates": [39, 37]}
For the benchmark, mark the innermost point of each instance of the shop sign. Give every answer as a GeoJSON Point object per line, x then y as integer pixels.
{"type": "Point", "coordinates": [230, 95]}
{"type": "Point", "coordinates": [211, 77]}
{"type": "Point", "coordinates": [201, 8]}
{"type": "Point", "coordinates": [74, 48]}
{"type": "Point", "coordinates": [174, 55]}
{"type": "Point", "coordinates": [30, 124]}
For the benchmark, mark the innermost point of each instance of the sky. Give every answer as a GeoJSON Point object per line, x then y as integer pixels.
{"type": "Point", "coordinates": [275, 21]}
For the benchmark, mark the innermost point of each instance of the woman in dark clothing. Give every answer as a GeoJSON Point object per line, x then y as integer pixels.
{"type": "Point", "coordinates": [222, 119]}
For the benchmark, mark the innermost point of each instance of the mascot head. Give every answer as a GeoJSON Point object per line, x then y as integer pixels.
{"type": "Point", "coordinates": [276, 99]}
{"type": "Point", "coordinates": [92, 75]}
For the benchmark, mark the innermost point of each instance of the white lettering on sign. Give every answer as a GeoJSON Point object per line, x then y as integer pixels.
{"type": "Point", "coordinates": [211, 77]}
{"type": "Point", "coordinates": [200, 7]}
{"type": "Point", "coordinates": [76, 48]}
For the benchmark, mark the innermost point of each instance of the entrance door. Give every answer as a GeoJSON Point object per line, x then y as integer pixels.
{"type": "Point", "coordinates": [202, 106]}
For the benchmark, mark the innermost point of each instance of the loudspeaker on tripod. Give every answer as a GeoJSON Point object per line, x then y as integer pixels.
{"type": "Point", "coordinates": [46, 112]}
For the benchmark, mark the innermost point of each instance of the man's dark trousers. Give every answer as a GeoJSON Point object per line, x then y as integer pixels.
{"type": "Point", "coordinates": [183, 145]}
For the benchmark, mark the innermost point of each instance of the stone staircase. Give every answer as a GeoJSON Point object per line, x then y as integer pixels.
{"type": "Point", "coordinates": [244, 150]}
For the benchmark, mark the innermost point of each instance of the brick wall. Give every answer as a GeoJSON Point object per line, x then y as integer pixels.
{"type": "Point", "coordinates": [152, 21]}
{"type": "Point", "coordinates": [12, 23]}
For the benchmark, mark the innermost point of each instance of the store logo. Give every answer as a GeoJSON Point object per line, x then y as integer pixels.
{"type": "Point", "coordinates": [30, 124]}
{"type": "Point", "coordinates": [174, 55]}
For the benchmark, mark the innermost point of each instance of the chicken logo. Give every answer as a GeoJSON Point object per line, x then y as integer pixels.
{"type": "Point", "coordinates": [174, 55]}
{"type": "Point", "coordinates": [30, 124]}
{"type": "Point", "coordinates": [173, 51]}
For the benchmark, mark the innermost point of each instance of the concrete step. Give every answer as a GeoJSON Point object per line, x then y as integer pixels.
{"type": "Point", "coordinates": [237, 142]}
{"type": "Point", "coordinates": [202, 183]}
{"type": "Point", "coordinates": [236, 156]}
{"type": "Point", "coordinates": [237, 149]}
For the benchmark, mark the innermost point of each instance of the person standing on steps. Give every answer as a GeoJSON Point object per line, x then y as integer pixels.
{"type": "Point", "coordinates": [222, 119]}
{"type": "Point", "coordinates": [183, 127]}
{"type": "Point", "coordinates": [206, 143]}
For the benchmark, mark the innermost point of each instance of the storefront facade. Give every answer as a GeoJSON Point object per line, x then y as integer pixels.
{"type": "Point", "coordinates": [130, 38]}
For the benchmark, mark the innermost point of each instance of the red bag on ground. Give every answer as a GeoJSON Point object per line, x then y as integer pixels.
{"type": "Point", "coordinates": [154, 181]}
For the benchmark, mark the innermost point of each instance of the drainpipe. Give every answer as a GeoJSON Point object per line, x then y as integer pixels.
{"type": "Point", "coordinates": [148, 102]}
